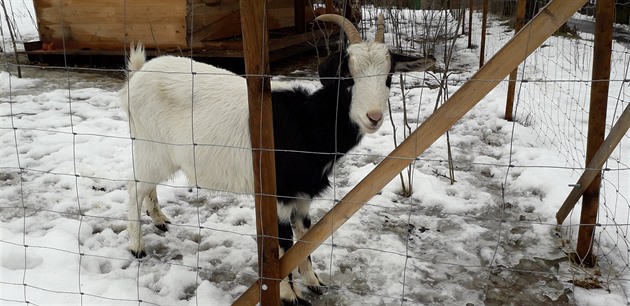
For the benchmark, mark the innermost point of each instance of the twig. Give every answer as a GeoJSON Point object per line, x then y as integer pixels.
{"type": "Point", "coordinates": [17, 59]}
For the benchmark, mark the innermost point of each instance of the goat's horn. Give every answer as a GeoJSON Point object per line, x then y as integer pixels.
{"type": "Point", "coordinates": [380, 30]}
{"type": "Point", "coordinates": [353, 34]}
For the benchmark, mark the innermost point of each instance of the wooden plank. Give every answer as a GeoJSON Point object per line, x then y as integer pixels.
{"type": "Point", "coordinates": [107, 12]}
{"type": "Point", "coordinates": [229, 25]}
{"type": "Point", "coordinates": [212, 23]}
{"type": "Point", "coordinates": [255, 46]}
{"type": "Point", "coordinates": [593, 168]}
{"type": "Point", "coordinates": [109, 24]}
{"type": "Point", "coordinates": [556, 13]}
{"type": "Point", "coordinates": [299, 14]}
{"type": "Point", "coordinates": [605, 16]}
{"type": "Point", "coordinates": [274, 44]}
{"type": "Point", "coordinates": [97, 36]}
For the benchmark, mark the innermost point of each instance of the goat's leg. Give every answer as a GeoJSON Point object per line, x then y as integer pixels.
{"type": "Point", "coordinates": [289, 293]}
{"type": "Point", "coordinates": [301, 222]}
{"type": "Point", "coordinates": [137, 193]}
{"type": "Point", "coordinates": [153, 210]}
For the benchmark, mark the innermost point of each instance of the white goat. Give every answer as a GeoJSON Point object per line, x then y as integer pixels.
{"type": "Point", "coordinates": [189, 116]}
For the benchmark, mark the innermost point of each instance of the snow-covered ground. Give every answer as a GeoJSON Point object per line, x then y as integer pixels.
{"type": "Point", "coordinates": [489, 238]}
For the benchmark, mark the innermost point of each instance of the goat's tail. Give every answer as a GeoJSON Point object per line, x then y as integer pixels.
{"type": "Point", "coordinates": [136, 59]}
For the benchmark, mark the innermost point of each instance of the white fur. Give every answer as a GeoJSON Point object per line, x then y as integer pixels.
{"type": "Point", "coordinates": [195, 117]}
{"type": "Point", "coordinates": [171, 109]}
{"type": "Point", "coordinates": [369, 65]}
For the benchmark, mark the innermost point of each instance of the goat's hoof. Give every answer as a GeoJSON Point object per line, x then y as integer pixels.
{"type": "Point", "coordinates": [319, 290]}
{"type": "Point", "coordinates": [138, 254]}
{"type": "Point", "coordinates": [297, 302]}
{"type": "Point", "coordinates": [162, 227]}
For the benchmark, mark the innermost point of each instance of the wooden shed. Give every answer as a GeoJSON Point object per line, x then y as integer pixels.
{"type": "Point", "coordinates": [211, 28]}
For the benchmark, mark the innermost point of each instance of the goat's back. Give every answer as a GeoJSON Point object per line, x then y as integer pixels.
{"type": "Point", "coordinates": [169, 96]}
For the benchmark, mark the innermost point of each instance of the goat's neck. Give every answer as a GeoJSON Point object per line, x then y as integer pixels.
{"type": "Point", "coordinates": [341, 133]}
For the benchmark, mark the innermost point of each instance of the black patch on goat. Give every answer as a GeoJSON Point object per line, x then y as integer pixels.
{"type": "Point", "coordinates": [305, 138]}
{"type": "Point", "coordinates": [334, 69]}
{"type": "Point", "coordinates": [285, 233]}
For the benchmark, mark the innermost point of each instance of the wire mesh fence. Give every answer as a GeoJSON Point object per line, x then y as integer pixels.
{"type": "Point", "coordinates": [476, 225]}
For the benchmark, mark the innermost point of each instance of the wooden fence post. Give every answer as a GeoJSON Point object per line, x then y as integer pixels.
{"type": "Point", "coordinates": [256, 55]}
{"type": "Point", "coordinates": [518, 25]}
{"type": "Point", "coordinates": [557, 12]}
{"type": "Point", "coordinates": [299, 16]}
{"type": "Point", "coordinates": [484, 28]}
{"type": "Point", "coordinates": [604, 18]}
{"type": "Point", "coordinates": [471, 7]}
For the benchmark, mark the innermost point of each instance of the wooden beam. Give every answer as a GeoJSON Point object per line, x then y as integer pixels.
{"type": "Point", "coordinates": [484, 30]}
{"type": "Point", "coordinates": [481, 83]}
{"type": "Point", "coordinates": [471, 6]}
{"type": "Point", "coordinates": [604, 16]}
{"type": "Point", "coordinates": [594, 167]}
{"type": "Point", "coordinates": [518, 25]}
{"type": "Point", "coordinates": [299, 16]}
{"type": "Point", "coordinates": [256, 56]}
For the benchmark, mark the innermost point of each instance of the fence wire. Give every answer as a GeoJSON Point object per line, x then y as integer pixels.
{"type": "Point", "coordinates": [478, 227]}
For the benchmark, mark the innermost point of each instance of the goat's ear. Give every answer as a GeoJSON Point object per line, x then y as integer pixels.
{"type": "Point", "coordinates": [405, 63]}
{"type": "Point", "coordinates": [331, 68]}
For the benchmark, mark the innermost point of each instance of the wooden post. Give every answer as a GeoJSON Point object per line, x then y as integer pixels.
{"type": "Point", "coordinates": [256, 55]}
{"type": "Point", "coordinates": [557, 12]}
{"type": "Point", "coordinates": [518, 25]}
{"type": "Point", "coordinates": [471, 6]}
{"type": "Point", "coordinates": [484, 28]}
{"type": "Point", "coordinates": [462, 17]}
{"type": "Point", "coordinates": [298, 11]}
{"type": "Point", "coordinates": [592, 170]}
{"type": "Point", "coordinates": [604, 16]}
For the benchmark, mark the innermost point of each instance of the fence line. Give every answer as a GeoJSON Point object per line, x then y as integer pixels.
{"type": "Point", "coordinates": [29, 181]}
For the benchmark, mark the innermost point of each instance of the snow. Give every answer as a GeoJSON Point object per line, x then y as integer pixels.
{"type": "Point", "coordinates": [489, 238]}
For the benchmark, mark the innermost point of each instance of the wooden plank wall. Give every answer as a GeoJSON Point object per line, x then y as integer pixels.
{"type": "Point", "coordinates": [217, 19]}
{"type": "Point", "coordinates": [111, 24]}
{"type": "Point", "coordinates": [108, 24]}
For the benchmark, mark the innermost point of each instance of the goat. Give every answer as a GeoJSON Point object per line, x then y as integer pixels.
{"type": "Point", "coordinates": [189, 116]}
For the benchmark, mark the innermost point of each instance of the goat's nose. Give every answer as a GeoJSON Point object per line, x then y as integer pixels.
{"type": "Point", "coordinates": [375, 116]}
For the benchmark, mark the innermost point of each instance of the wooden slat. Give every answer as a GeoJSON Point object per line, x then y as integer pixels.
{"type": "Point", "coordinates": [498, 67]}
{"type": "Point", "coordinates": [96, 36]}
